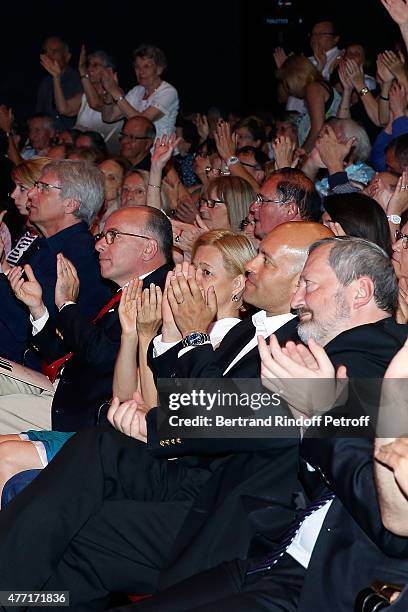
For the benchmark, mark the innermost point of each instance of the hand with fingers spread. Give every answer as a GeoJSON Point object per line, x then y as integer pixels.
{"type": "Point", "coordinates": [398, 202]}
{"type": "Point", "coordinates": [27, 289]}
{"type": "Point", "coordinates": [395, 63]}
{"type": "Point", "coordinates": [163, 150]}
{"type": "Point", "coordinates": [377, 190]}
{"type": "Point", "coordinates": [130, 417]}
{"type": "Point", "coordinates": [398, 10]}
{"type": "Point", "coordinates": [128, 308]}
{"type": "Point", "coordinates": [331, 151]}
{"type": "Point", "coordinates": [284, 149]}
{"type": "Point", "coordinates": [67, 285]}
{"type": "Point", "coordinates": [149, 315]}
{"type": "Point", "coordinates": [193, 310]}
{"type": "Point", "coordinates": [109, 82]}
{"type": "Point", "coordinates": [303, 376]}
{"type": "Point", "coordinates": [279, 56]}
{"type": "Point", "coordinates": [51, 66]}
{"type": "Point", "coordinates": [383, 74]}
{"type": "Point", "coordinates": [224, 141]}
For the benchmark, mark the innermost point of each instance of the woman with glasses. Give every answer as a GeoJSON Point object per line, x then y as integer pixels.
{"type": "Point", "coordinates": [225, 202]}
{"type": "Point", "coordinates": [24, 177]}
{"type": "Point", "coordinates": [302, 79]}
{"type": "Point", "coordinates": [134, 189]}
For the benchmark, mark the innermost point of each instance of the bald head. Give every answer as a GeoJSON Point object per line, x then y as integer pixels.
{"type": "Point", "coordinates": [273, 274]}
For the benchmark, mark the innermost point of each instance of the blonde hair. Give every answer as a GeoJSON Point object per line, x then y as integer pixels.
{"type": "Point", "coordinates": [236, 249]}
{"type": "Point", "coordinates": [29, 171]}
{"type": "Point", "coordinates": [237, 195]}
{"type": "Point", "coordinates": [298, 69]}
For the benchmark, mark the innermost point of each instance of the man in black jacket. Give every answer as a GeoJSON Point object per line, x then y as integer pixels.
{"type": "Point", "coordinates": [136, 243]}
{"type": "Point", "coordinates": [347, 294]}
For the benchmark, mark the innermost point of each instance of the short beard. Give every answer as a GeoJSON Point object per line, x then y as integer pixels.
{"type": "Point", "coordinates": [324, 330]}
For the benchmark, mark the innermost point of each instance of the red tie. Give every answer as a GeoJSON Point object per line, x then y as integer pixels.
{"type": "Point", "coordinates": [52, 369]}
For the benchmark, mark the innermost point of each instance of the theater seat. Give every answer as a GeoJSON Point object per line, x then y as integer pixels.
{"type": "Point", "coordinates": [16, 484]}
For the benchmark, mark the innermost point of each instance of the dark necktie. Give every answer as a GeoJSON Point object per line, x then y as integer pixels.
{"type": "Point", "coordinates": [267, 562]}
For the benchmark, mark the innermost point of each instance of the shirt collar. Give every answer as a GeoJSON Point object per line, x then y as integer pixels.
{"type": "Point", "coordinates": [267, 325]}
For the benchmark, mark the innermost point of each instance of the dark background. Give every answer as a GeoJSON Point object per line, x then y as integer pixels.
{"type": "Point", "coordinates": [219, 53]}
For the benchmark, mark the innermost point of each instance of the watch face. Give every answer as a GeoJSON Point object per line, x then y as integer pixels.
{"type": "Point", "coordinates": [195, 338]}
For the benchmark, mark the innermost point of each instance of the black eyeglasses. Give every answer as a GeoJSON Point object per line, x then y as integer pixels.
{"type": "Point", "coordinates": [404, 237]}
{"type": "Point", "coordinates": [41, 186]}
{"type": "Point", "coordinates": [122, 135]}
{"type": "Point", "coordinates": [110, 236]}
{"type": "Point", "coordinates": [209, 202]}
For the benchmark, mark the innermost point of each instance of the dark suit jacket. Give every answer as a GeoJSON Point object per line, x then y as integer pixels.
{"type": "Point", "coordinates": [86, 381]}
{"type": "Point", "coordinates": [353, 548]}
{"type": "Point", "coordinates": [76, 243]}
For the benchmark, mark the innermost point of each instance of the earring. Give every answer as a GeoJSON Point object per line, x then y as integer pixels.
{"type": "Point", "coordinates": [235, 298]}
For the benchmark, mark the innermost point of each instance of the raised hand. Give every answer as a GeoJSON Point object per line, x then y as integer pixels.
{"type": "Point", "coordinates": [355, 74]}
{"type": "Point", "coordinates": [383, 73]}
{"type": "Point", "coordinates": [284, 149]}
{"type": "Point", "coordinates": [67, 285]}
{"type": "Point", "coordinates": [129, 417]}
{"type": "Point", "coordinates": [331, 151]}
{"type": "Point", "coordinates": [319, 55]}
{"type": "Point", "coordinates": [191, 310]}
{"type": "Point", "coordinates": [128, 307]}
{"type": "Point", "coordinates": [50, 65]}
{"type": "Point", "coordinates": [394, 63]}
{"type": "Point", "coordinates": [109, 81]}
{"type": "Point", "coordinates": [149, 315]}
{"type": "Point", "coordinates": [224, 141]}
{"type": "Point", "coordinates": [398, 99]}
{"type": "Point", "coordinates": [163, 150]}
{"type": "Point", "coordinates": [170, 331]}
{"type": "Point", "coordinates": [398, 10]}
{"type": "Point", "coordinates": [279, 56]}
{"type": "Point", "coordinates": [398, 202]}
{"type": "Point", "coordinates": [27, 289]}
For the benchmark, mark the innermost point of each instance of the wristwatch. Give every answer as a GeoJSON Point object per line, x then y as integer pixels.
{"type": "Point", "coordinates": [363, 91]}
{"type": "Point", "coordinates": [396, 219]}
{"type": "Point", "coordinates": [231, 161]}
{"type": "Point", "coordinates": [195, 338]}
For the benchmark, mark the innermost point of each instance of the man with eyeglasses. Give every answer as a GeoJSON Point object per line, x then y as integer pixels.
{"type": "Point", "coordinates": [135, 243]}
{"type": "Point", "coordinates": [253, 160]}
{"type": "Point", "coordinates": [136, 139]}
{"type": "Point", "coordinates": [286, 195]}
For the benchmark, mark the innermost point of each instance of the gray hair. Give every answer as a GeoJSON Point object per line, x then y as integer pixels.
{"type": "Point", "coordinates": [351, 258]}
{"type": "Point", "coordinates": [82, 181]}
{"type": "Point", "coordinates": [361, 148]}
{"type": "Point", "coordinates": [107, 59]}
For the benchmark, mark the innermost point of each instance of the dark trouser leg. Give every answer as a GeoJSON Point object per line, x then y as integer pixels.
{"type": "Point", "coordinates": [226, 589]}
{"type": "Point", "coordinates": [37, 527]}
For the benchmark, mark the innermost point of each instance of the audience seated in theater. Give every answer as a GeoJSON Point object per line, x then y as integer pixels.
{"type": "Point", "coordinates": [355, 214]}
{"type": "Point", "coordinates": [56, 54]}
{"type": "Point", "coordinates": [136, 140]}
{"type": "Point", "coordinates": [172, 489]}
{"type": "Point", "coordinates": [361, 335]}
{"type": "Point", "coordinates": [24, 176]}
{"type": "Point", "coordinates": [62, 203]}
{"type": "Point", "coordinates": [153, 98]}
{"type": "Point", "coordinates": [91, 348]}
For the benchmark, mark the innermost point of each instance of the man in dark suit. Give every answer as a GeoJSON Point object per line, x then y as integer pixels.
{"type": "Point", "coordinates": [136, 243]}
{"type": "Point", "coordinates": [141, 503]}
{"type": "Point", "coordinates": [346, 297]}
